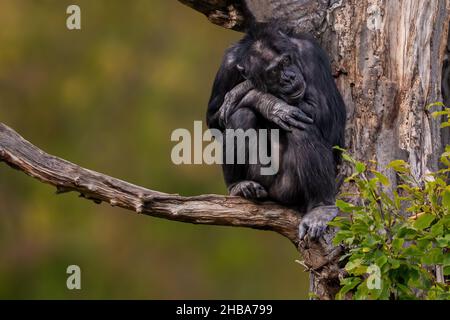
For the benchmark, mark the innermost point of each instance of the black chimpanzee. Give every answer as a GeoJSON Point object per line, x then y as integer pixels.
{"type": "Point", "coordinates": [276, 79]}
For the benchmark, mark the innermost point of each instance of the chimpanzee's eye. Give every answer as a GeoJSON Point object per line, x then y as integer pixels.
{"type": "Point", "coordinates": [286, 61]}
{"type": "Point", "coordinates": [273, 73]}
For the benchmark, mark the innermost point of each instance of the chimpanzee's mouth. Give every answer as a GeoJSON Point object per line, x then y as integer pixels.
{"type": "Point", "coordinates": [297, 94]}
{"type": "Point", "coordinates": [296, 91]}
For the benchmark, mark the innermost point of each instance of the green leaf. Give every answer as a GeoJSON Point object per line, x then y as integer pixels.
{"type": "Point", "coordinates": [439, 114]}
{"type": "Point", "coordinates": [399, 166]}
{"type": "Point", "coordinates": [446, 221]}
{"type": "Point", "coordinates": [360, 227]}
{"type": "Point", "coordinates": [446, 198]}
{"type": "Point", "coordinates": [360, 167]}
{"type": "Point", "coordinates": [395, 263]}
{"type": "Point", "coordinates": [412, 245]}
{"type": "Point", "coordinates": [424, 243]}
{"type": "Point", "coordinates": [437, 229]}
{"type": "Point", "coordinates": [340, 222]}
{"type": "Point", "coordinates": [433, 256]}
{"type": "Point", "coordinates": [412, 251]}
{"type": "Point", "coordinates": [341, 236]}
{"type": "Point", "coordinates": [424, 221]}
{"type": "Point", "coordinates": [344, 257]}
{"type": "Point", "coordinates": [339, 149]}
{"type": "Point", "coordinates": [435, 104]}
{"type": "Point", "coordinates": [347, 158]}
{"type": "Point", "coordinates": [446, 259]}
{"type": "Point", "coordinates": [347, 285]}
{"type": "Point", "coordinates": [351, 265]}
{"type": "Point", "coordinates": [381, 177]}
{"type": "Point", "coordinates": [443, 242]}
{"type": "Point", "coordinates": [397, 243]}
{"type": "Point", "coordinates": [362, 292]}
{"type": "Point", "coordinates": [406, 232]}
{"type": "Point", "coordinates": [344, 206]}
{"type": "Point", "coordinates": [447, 271]}
{"type": "Point", "coordinates": [371, 240]}
{"type": "Point", "coordinates": [381, 260]}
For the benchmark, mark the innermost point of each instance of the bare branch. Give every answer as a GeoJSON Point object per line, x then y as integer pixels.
{"type": "Point", "coordinates": [225, 13]}
{"type": "Point", "coordinates": [301, 15]}
{"type": "Point", "coordinates": [320, 257]}
{"type": "Point", "coordinates": [205, 209]}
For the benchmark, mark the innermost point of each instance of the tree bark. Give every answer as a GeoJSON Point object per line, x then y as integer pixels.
{"type": "Point", "coordinates": [205, 209]}
{"type": "Point", "coordinates": [20, 154]}
{"type": "Point", "coordinates": [388, 56]}
{"type": "Point", "coordinates": [390, 60]}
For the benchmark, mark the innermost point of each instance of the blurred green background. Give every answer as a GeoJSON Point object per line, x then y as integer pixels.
{"type": "Point", "coordinates": [108, 97]}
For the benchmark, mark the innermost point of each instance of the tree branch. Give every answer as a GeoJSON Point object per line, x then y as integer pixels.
{"type": "Point", "coordinates": [225, 13]}
{"type": "Point", "coordinates": [205, 209]}
{"type": "Point", "coordinates": [301, 15]}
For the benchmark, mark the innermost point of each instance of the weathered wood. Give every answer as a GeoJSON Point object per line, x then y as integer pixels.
{"type": "Point", "coordinates": [20, 154]}
{"type": "Point", "coordinates": [205, 209]}
{"type": "Point", "coordinates": [305, 15]}
{"type": "Point", "coordinates": [388, 58]}
{"type": "Point", "coordinates": [225, 13]}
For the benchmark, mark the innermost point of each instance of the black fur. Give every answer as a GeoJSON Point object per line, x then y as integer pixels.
{"type": "Point", "coordinates": [306, 178]}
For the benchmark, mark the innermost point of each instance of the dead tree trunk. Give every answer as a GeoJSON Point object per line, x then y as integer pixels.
{"type": "Point", "coordinates": [390, 61]}
{"type": "Point", "coordinates": [389, 58]}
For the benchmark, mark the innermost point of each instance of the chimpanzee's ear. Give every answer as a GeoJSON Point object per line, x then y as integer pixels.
{"type": "Point", "coordinates": [285, 36]}
{"type": "Point", "coordinates": [241, 70]}
{"type": "Point", "coordinates": [282, 34]}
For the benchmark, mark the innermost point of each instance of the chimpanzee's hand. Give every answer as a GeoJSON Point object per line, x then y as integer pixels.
{"type": "Point", "coordinates": [288, 117]}
{"type": "Point", "coordinates": [270, 107]}
{"type": "Point", "coordinates": [315, 222]}
{"type": "Point", "coordinates": [248, 189]}
{"type": "Point", "coordinates": [232, 101]}
{"type": "Point", "coordinates": [278, 111]}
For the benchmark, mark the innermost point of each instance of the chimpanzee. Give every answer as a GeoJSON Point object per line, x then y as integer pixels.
{"type": "Point", "coordinates": [277, 79]}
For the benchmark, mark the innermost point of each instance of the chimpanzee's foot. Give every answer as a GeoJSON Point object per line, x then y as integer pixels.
{"type": "Point", "coordinates": [249, 189]}
{"type": "Point", "coordinates": [315, 222]}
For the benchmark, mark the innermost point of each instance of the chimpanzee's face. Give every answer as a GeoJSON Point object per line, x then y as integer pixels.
{"type": "Point", "coordinates": [284, 78]}
{"type": "Point", "coordinates": [274, 72]}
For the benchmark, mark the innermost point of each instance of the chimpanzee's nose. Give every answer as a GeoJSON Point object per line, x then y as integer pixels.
{"type": "Point", "coordinates": [289, 75]}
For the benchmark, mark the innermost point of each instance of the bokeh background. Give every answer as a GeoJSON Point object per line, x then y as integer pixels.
{"type": "Point", "coordinates": [108, 97]}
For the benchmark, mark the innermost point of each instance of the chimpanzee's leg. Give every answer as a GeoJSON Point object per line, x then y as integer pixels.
{"type": "Point", "coordinates": [319, 180]}
{"type": "Point", "coordinates": [236, 174]}
{"type": "Point", "coordinates": [306, 179]}
{"type": "Point", "coordinates": [315, 222]}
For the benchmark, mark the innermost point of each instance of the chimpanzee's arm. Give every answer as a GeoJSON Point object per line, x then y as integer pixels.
{"type": "Point", "coordinates": [227, 78]}
{"type": "Point", "coordinates": [329, 110]}
{"type": "Point", "coordinates": [267, 105]}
